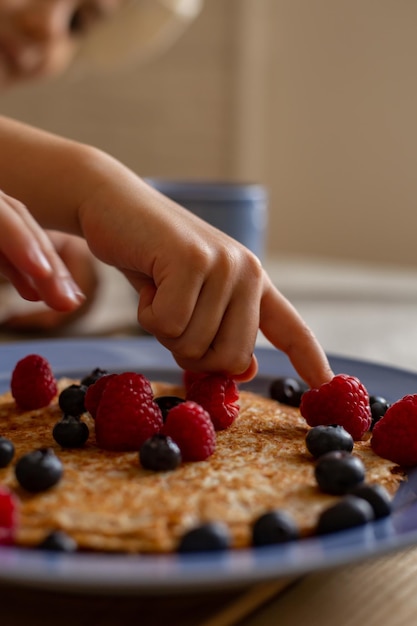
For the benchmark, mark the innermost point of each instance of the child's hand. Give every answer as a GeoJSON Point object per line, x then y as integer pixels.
{"type": "Point", "coordinates": [202, 295]}
{"type": "Point", "coordinates": [83, 268]}
{"type": "Point", "coordinates": [41, 265]}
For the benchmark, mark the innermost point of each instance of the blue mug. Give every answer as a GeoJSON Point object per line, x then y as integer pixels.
{"type": "Point", "coordinates": [238, 209]}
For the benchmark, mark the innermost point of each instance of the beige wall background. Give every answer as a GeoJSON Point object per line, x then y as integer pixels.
{"type": "Point", "coordinates": [316, 99]}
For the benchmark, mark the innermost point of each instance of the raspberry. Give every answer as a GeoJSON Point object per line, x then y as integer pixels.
{"type": "Point", "coordinates": [190, 426]}
{"type": "Point", "coordinates": [190, 377]}
{"type": "Point", "coordinates": [8, 516]}
{"type": "Point", "coordinates": [33, 383]}
{"type": "Point", "coordinates": [127, 414]}
{"type": "Point", "coordinates": [94, 392]}
{"type": "Point", "coordinates": [394, 436]}
{"type": "Point", "coordinates": [219, 396]}
{"type": "Point", "coordinates": [343, 401]}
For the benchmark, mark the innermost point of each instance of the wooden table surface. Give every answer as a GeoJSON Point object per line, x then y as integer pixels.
{"type": "Point", "coordinates": [379, 592]}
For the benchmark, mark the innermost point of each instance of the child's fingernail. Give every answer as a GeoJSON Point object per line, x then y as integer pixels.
{"type": "Point", "coordinates": [71, 290]}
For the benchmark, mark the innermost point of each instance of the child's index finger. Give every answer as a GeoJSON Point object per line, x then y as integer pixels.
{"type": "Point", "coordinates": [286, 330]}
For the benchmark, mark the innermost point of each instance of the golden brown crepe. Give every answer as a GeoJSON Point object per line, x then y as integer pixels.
{"type": "Point", "coordinates": [107, 502]}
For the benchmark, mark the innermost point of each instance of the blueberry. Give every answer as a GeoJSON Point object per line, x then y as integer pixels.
{"type": "Point", "coordinates": [287, 390]}
{"type": "Point", "coordinates": [209, 537]}
{"type": "Point", "coordinates": [166, 403]}
{"type": "Point", "coordinates": [338, 472]}
{"type": "Point", "coordinates": [274, 527]}
{"type": "Point", "coordinates": [377, 496]}
{"type": "Point", "coordinates": [326, 438]}
{"type": "Point", "coordinates": [58, 541]}
{"type": "Point", "coordinates": [71, 400]}
{"type": "Point", "coordinates": [38, 470]}
{"type": "Point", "coordinates": [6, 451]}
{"type": "Point", "coordinates": [379, 407]}
{"type": "Point", "coordinates": [380, 399]}
{"type": "Point", "coordinates": [93, 376]}
{"type": "Point", "coordinates": [349, 512]}
{"type": "Point", "coordinates": [159, 453]}
{"type": "Point", "coordinates": [70, 432]}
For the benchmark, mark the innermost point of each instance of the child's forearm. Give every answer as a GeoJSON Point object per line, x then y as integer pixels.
{"type": "Point", "coordinates": [51, 175]}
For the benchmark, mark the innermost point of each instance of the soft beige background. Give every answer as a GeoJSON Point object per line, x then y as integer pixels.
{"type": "Point", "coordinates": [315, 98]}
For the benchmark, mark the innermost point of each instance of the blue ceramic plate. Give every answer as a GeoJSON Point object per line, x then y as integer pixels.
{"type": "Point", "coordinates": [121, 574]}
